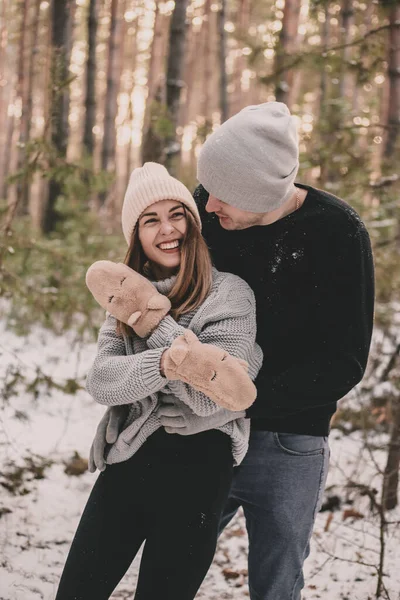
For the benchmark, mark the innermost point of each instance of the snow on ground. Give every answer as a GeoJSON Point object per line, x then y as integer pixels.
{"type": "Point", "coordinates": [36, 533]}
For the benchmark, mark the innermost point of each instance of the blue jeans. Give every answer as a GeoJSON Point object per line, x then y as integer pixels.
{"type": "Point", "coordinates": [279, 484]}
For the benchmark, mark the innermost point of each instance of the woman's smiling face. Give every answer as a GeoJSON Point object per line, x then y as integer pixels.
{"type": "Point", "coordinates": [162, 227]}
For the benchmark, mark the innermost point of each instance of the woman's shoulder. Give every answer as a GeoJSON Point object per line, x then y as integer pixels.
{"type": "Point", "coordinates": [230, 287]}
{"type": "Point", "coordinates": [230, 297]}
{"type": "Point", "coordinates": [228, 280]}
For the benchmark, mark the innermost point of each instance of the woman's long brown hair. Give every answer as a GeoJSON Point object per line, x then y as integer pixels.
{"type": "Point", "coordinates": [194, 277]}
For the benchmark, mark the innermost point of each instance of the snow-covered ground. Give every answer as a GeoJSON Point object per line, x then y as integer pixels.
{"type": "Point", "coordinates": [36, 527]}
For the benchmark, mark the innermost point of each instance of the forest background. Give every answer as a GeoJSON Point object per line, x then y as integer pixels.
{"type": "Point", "coordinates": [90, 89]}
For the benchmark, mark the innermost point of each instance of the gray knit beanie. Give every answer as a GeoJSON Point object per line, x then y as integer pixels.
{"type": "Point", "coordinates": [252, 159]}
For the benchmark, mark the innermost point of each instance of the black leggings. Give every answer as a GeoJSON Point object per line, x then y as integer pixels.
{"type": "Point", "coordinates": [171, 493]}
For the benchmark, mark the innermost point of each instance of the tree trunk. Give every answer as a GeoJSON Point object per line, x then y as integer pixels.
{"type": "Point", "coordinates": [391, 478]}
{"type": "Point", "coordinates": [22, 71]}
{"type": "Point", "coordinates": [3, 49]}
{"type": "Point", "coordinates": [177, 35]}
{"type": "Point", "coordinates": [34, 52]}
{"type": "Point", "coordinates": [323, 99]}
{"type": "Point", "coordinates": [346, 79]}
{"type": "Point", "coordinates": [155, 61]}
{"type": "Point", "coordinates": [90, 97]}
{"type": "Point", "coordinates": [382, 108]}
{"type": "Point", "coordinates": [26, 118]}
{"type": "Point", "coordinates": [62, 12]}
{"type": "Point", "coordinates": [133, 53]}
{"type": "Point", "coordinates": [286, 46]}
{"type": "Point", "coordinates": [39, 199]}
{"type": "Point", "coordinates": [152, 146]}
{"type": "Point", "coordinates": [207, 65]}
{"type": "Point", "coordinates": [189, 77]}
{"type": "Point", "coordinates": [18, 151]}
{"type": "Point", "coordinates": [223, 79]}
{"type": "Point", "coordinates": [6, 97]}
{"type": "Point", "coordinates": [393, 121]}
{"type": "Point", "coordinates": [6, 158]}
{"type": "Point", "coordinates": [243, 23]}
{"type": "Point", "coordinates": [111, 99]}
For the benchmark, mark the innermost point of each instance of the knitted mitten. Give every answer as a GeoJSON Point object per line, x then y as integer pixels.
{"type": "Point", "coordinates": [127, 295]}
{"type": "Point", "coordinates": [210, 370]}
{"type": "Point", "coordinates": [107, 433]}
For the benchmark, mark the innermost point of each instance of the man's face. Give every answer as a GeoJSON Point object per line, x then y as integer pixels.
{"type": "Point", "coordinates": [230, 217]}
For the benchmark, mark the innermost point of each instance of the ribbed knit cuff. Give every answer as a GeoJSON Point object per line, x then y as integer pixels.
{"type": "Point", "coordinates": [165, 333]}
{"type": "Point", "coordinates": [151, 373]}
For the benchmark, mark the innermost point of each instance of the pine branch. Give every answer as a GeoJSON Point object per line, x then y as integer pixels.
{"type": "Point", "coordinates": [297, 59]}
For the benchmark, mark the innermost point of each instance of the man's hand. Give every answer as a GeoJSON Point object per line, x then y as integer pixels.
{"type": "Point", "coordinates": [177, 417]}
{"type": "Point", "coordinates": [107, 433]}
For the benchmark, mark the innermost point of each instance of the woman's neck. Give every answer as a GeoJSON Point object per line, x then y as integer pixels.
{"type": "Point", "coordinates": [158, 272]}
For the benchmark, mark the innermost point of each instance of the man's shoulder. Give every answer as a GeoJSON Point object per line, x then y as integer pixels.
{"type": "Point", "coordinates": [338, 214]}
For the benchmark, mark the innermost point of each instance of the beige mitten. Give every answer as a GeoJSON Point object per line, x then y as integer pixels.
{"type": "Point", "coordinates": [127, 295]}
{"type": "Point", "coordinates": [210, 370]}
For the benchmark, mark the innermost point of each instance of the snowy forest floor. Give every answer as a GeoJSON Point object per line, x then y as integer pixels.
{"type": "Point", "coordinates": [40, 503]}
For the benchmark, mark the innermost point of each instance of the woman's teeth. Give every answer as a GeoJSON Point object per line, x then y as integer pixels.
{"type": "Point", "coordinates": [169, 245]}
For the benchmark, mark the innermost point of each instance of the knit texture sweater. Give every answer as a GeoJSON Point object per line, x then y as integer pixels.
{"type": "Point", "coordinates": [126, 370]}
{"type": "Point", "coordinates": [312, 276]}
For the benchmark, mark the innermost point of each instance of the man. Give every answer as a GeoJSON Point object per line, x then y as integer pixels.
{"type": "Point", "coordinates": [307, 256]}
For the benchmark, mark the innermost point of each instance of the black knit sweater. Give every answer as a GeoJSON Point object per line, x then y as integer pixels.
{"type": "Point", "coordinates": [312, 275]}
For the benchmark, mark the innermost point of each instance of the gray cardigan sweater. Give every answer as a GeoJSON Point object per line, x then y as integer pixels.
{"type": "Point", "coordinates": [126, 370]}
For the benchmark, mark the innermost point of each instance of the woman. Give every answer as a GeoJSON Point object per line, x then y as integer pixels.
{"type": "Point", "coordinates": [190, 331]}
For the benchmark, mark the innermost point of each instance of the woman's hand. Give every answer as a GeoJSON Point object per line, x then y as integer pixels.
{"type": "Point", "coordinates": [127, 295]}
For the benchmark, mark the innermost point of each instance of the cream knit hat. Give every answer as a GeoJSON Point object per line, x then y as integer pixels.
{"type": "Point", "coordinates": [148, 184]}
{"type": "Point", "coordinates": [252, 159]}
